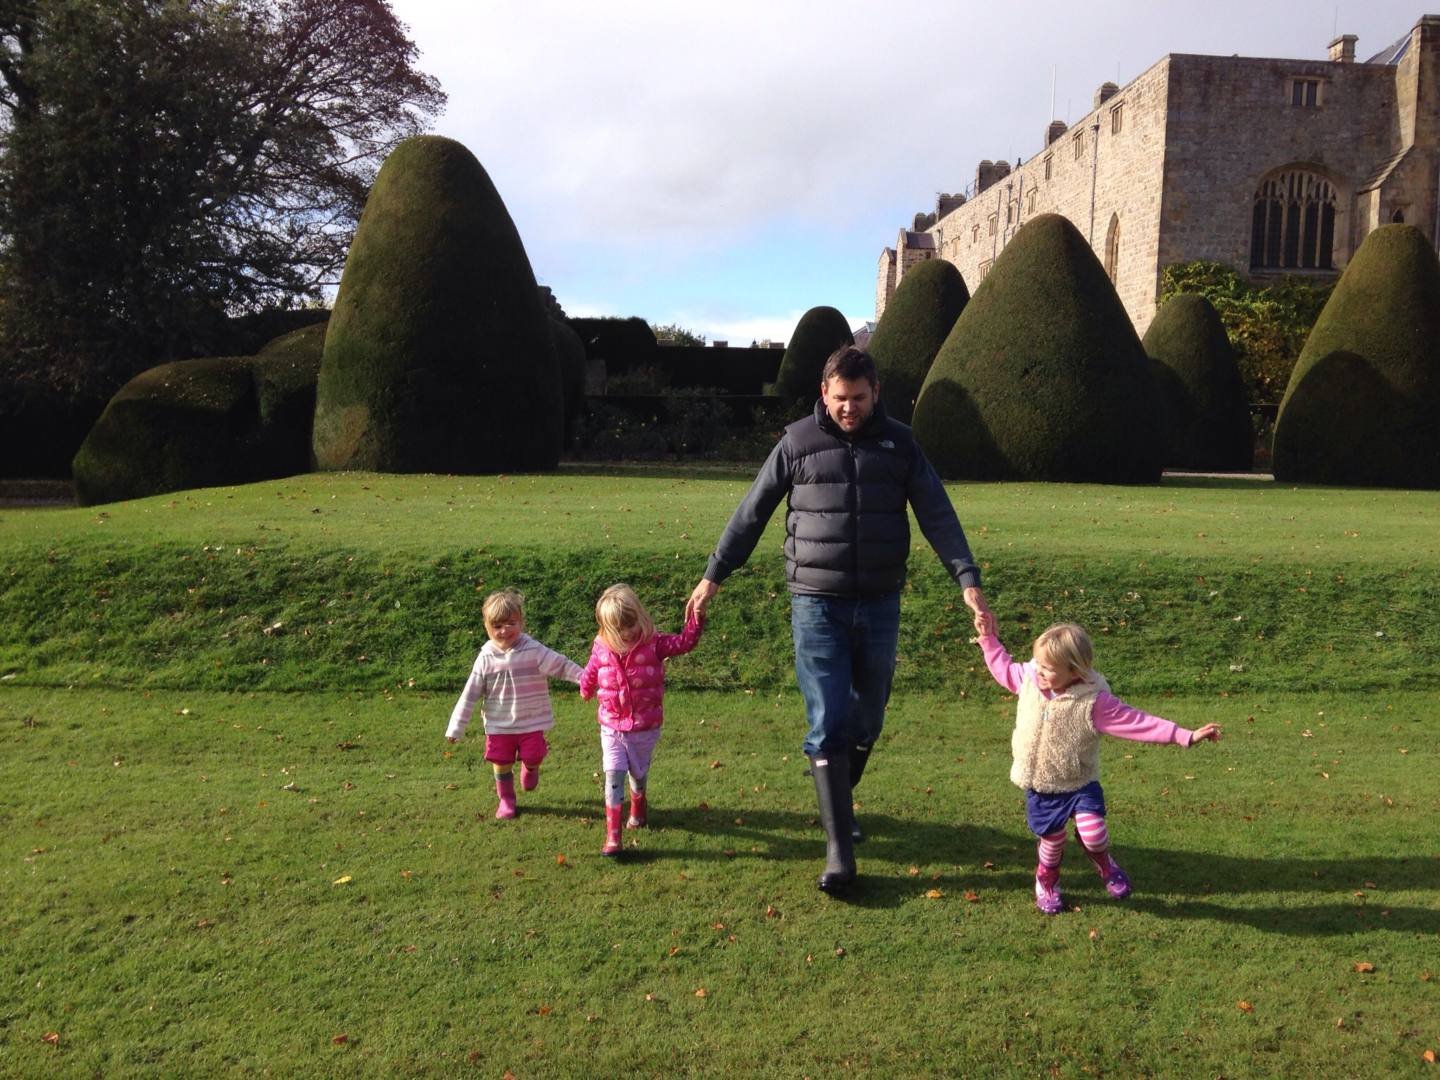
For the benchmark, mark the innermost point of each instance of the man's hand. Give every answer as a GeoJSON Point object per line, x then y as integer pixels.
{"type": "Point", "coordinates": [975, 601]}
{"type": "Point", "coordinates": [699, 598]}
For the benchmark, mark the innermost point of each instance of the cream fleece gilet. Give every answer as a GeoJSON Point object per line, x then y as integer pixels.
{"type": "Point", "coordinates": [1055, 745]}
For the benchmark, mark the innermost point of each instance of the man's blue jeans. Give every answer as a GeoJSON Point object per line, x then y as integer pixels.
{"type": "Point", "coordinates": [844, 663]}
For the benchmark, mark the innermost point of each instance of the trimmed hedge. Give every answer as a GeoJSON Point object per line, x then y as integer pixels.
{"type": "Point", "coordinates": [916, 322]}
{"type": "Point", "coordinates": [1204, 400]}
{"type": "Point", "coordinates": [624, 344]}
{"type": "Point", "coordinates": [1363, 404]}
{"type": "Point", "coordinates": [200, 423]}
{"type": "Point", "coordinates": [820, 331]}
{"type": "Point", "coordinates": [570, 351]}
{"type": "Point", "coordinates": [1042, 376]}
{"type": "Point", "coordinates": [439, 356]}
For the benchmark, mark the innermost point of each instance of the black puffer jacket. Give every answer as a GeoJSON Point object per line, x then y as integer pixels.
{"type": "Point", "coordinates": [846, 529]}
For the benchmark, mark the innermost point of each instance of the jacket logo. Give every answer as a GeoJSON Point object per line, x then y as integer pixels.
{"type": "Point", "coordinates": [886, 444]}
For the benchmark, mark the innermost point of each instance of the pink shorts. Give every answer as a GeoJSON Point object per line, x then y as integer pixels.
{"type": "Point", "coordinates": [529, 747]}
{"type": "Point", "coordinates": [629, 751]}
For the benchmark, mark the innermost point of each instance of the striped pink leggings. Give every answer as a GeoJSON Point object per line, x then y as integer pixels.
{"type": "Point", "coordinates": [1093, 837]}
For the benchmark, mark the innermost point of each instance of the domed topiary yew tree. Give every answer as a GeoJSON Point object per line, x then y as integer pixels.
{"type": "Point", "coordinates": [439, 356]}
{"type": "Point", "coordinates": [1042, 376]}
{"type": "Point", "coordinates": [915, 324]}
{"type": "Point", "coordinates": [1205, 408]}
{"type": "Point", "coordinates": [1363, 403]}
{"type": "Point", "coordinates": [820, 331]}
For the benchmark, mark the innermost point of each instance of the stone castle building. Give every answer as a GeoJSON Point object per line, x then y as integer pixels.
{"type": "Point", "coordinates": [1271, 166]}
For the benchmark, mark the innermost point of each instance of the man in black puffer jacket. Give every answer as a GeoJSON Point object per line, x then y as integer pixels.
{"type": "Point", "coordinates": [847, 474]}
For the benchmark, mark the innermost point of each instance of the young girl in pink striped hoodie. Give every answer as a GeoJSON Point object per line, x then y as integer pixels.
{"type": "Point", "coordinates": [626, 673]}
{"type": "Point", "coordinates": [1065, 706]}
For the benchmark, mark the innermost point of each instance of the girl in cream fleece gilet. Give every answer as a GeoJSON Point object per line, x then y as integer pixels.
{"type": "Point", "coordinates": [1065, 706]}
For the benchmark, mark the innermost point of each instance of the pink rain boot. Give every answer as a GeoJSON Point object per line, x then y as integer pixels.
{"type": "Point", "coordinates": [1117, 882]}
{"type": "Point", "coordinates": [612, 830]}
{"type": "Point", "coordinates": [505, 788]}
{"type": "Point", "coordinates": [637, 811]}
{"type": "Point", "coordinates": [529, 778]}
{"type": "Point", "coordinates": [1047, 890]}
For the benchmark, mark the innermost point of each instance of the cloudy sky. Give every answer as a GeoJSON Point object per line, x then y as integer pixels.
{"type": "Point", "coordinates": [727, 166]}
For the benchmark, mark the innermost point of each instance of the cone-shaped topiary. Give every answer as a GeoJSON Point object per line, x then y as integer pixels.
{"type": "Point", "coordinates": [1207, 416]}
{"type": "Point", "coordinates": [570, 351]}
{"type": "Point", "coordinates": [1042, 376]}
{"type": "Point", "coordinates": [199, 423]}
{"type": "Point", "coordinates": [820, 331]}
{"type": "Point", "coordinates": [1363, 403]}
{"type": "Point", "coordinates": [438, 355]}
{"type": "Point", "coordinates": [916, 322]}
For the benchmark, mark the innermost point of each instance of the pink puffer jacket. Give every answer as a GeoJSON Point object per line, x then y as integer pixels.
{"type": "Point", "coordinates": [631, 685]}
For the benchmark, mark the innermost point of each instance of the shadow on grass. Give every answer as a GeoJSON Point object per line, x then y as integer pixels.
{"type": "Point", "coordinates": [1351, 892]}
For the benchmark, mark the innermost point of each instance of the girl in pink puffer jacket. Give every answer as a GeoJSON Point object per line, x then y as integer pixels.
{"type": "Point", "coordinates": [627, 673]}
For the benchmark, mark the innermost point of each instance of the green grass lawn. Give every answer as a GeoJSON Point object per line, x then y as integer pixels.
{"type": "Point", "coordinates": [223, 848]}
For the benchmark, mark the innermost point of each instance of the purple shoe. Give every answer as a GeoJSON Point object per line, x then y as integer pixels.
{"type": "Point", "coordinates": [1047, 892]}
{"type": "Point", "coordinates": [1117, 883]}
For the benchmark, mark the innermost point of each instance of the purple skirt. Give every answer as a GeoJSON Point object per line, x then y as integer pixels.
{"type": "Point", "coordinates": [1047, 812]}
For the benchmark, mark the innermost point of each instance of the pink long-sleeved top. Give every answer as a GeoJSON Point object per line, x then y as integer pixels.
{"type": "Point", "coordinates": [631, 685]}
{"type": "Point", "coordinates": [1110, 715]}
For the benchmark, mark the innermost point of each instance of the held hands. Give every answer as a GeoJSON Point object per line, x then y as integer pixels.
{"type": "Point", "coordinates": [1208, 733]}
{"type": "Point", "coordinates": [984, 617]}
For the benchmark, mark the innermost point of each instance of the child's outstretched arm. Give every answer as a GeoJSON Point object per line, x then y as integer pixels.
{"type": "Point", "coordinates": [556, 665]}
{"type": "Point", "coordinates": [678, 644]}
{"type": "Point", "coordinates": [472, 695]}
{"type": "Point", "coordinates": [1005, 671]}
{"type": "Point", "coordinates": [1112, 716]}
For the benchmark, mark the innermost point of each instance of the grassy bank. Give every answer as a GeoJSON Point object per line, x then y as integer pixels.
{"type": "Point", "coordinates": [364, 581]}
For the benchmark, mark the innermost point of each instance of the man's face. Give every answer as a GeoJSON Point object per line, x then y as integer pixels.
{"type": "Point", "coordinates": [849, 402]}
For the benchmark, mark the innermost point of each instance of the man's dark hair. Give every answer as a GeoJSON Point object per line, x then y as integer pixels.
{"type": "Point", "coordinates": [850, 362]}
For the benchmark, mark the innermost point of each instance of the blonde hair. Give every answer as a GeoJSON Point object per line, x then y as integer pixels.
{"type": "Point", "coordinates": [1067, 646]}
{"type": "Point", "coordinates": [623, 620]}
{"type": "Point", "coordinates": [503, 605]}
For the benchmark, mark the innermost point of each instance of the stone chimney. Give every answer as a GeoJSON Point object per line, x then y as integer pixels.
{"type": "Point", "coordinates": [1104, 93]}
{"type": "Point", "coordinates": [945, 202]}
{"type": "Point", "coordinates": [1055, 130]}
{"type": "Point", "coordinates": [1342, 49]}
{"type": "Point", "coordinates": [987, 172]}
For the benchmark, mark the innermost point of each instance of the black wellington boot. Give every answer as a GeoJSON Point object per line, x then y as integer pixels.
{"type": "Point", "coordinates": [832, 793]}
{"type": "Point", "coordinates": [859, 755]}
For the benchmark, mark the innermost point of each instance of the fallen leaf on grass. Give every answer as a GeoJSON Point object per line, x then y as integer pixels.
{"type": "Point", "coordinates": [1364, 967]}
{"type": "Point", "coordinates": [934, 894]}
{"type": "Point", "coordinates": [717, 764]}
{"type": "Point", "coordinates": [452, 787]}
{"type": "Point", "coordinates": [717, 926]}
{"type": "Point", "coordinates": [1428, 1055]}
{"type": "Point", "coordinates": [343, 879]}
{"type": "Point", "coordinates": [840, 951]}
{"type": "Point", "coordinates": [51, 1037]}
{"type": "Point", "coordinates": [407, 874]}
{"type": "Point", "coordinates": [972, 896]}
{"type": "Point", "coordinates": [771, 912]}
{"type": "Point", "coordinates": [340, 1040]}
{"type": "Point", "coordinates": [702, 992]}
{"type": "Point", "coordinates": [674, 950]}
{"type": "Point", "coordinates": [1095, 936]}
{"type": "Point", "coordinates": [989, 866]}
{"type": "Point", "coordinates": [473, 1057]}
{"type": "Point", "coordinates": [914, 871]}
{"type": "Point", "coordinates": [1245, 1006]}
{"type": "Point", "coordinates": [544, 1010]}
{"type": "Point", "coordinates": [559, 860]}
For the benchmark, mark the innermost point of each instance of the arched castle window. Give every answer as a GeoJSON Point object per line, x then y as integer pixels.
{"type": "Point", "coordinates": [1398, 218]}
{"type": "Point", "coordinates": [1112, 249]}
{"type": "Point", "coordinates": [1292, 225]}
